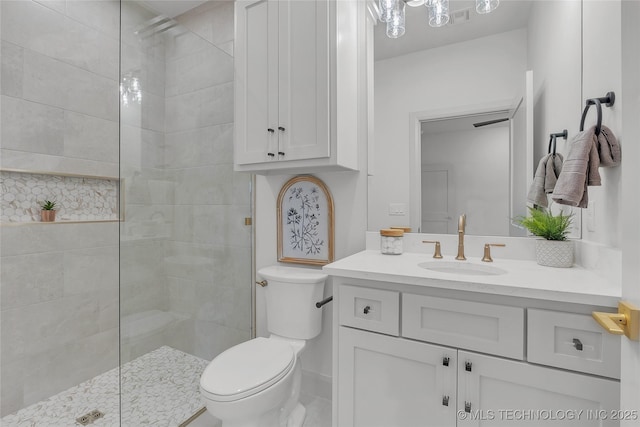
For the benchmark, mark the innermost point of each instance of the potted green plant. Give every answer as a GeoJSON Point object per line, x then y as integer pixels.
{"type": "Point", "coordinates": [553, 249]}
{"type": "Point", "coordinates": [48, 212]}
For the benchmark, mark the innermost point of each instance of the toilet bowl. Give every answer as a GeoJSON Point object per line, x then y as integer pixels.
{"type": "Point", "coordinates": [257, 383]}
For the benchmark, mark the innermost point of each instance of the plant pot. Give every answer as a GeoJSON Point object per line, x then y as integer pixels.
{"type": "Point", "coordinates": [48, 216]}
{"type": "Point", "coordinates": [554, 253]}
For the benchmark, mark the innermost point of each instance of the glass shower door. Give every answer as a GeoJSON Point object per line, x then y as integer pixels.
{"type": "Point", "coordinates": [185, 251]}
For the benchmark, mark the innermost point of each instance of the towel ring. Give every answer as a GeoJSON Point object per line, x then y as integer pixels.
{"type": "Point", "coordinates": [609, 100]}
{"type": "Point", "coordinates": [552, 140]}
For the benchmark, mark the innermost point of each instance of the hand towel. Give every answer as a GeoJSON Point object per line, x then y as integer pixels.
{"type": "Point", "coordinates": [608, 148]}
{"type": "Point", "coordinates": [552, 169]}
{"type": "Point", "coordinates": [537, 194]}
{"type": "Point", "coordinates": [579, 170]}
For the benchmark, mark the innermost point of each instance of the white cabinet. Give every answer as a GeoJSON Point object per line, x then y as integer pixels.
{"type": "Point", "coordinates": [392, 382]}
{"type": "Point", "coordinates": [499, 392]}
{"type": "Point", "coordinates": [285, 81]}
{"type": "Point", "coordinates": [390, 362]}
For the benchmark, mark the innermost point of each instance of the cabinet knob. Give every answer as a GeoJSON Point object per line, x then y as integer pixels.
{"type": "Point", "coordinates": [270, 130]}
{"type": "Point", "coordinates": [467, 407]}
{"type": "Point", "coordinates": [577, 344]}
{"type": "Point", "coordinates": [366, 310]}
{"type": "Point", "coordinates": [281, 128]}
{"type": "Point", "coordinates": [467, 366]}
{"type": "Point", "coordinates": [445, 400]}
{"type": "Point", "coordinates": [445, 361]}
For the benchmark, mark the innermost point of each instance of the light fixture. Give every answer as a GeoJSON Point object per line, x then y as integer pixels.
{"type": "Point", "coordinates": [438, 12]}
{"type": "Point", "coordinates": [392, 12]}
{"type": "Point", "coordinates": [395, 25]}
{"type": "Point", "coordinates": [486, 6]}
{"type": "Point", "coordinates": [130, 89]}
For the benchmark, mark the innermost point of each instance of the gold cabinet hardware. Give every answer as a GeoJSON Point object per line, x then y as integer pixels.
{"type": "Point", "coordinates": [626, 321]}
{"type": "Point", "coordinates": [262, 283]}
{"type": "Point", "coordinates": [247, 220]}
{"type": "Point", "coordinates": [436, 254]}
{"type": "Point", "coordinates": [487, 251]}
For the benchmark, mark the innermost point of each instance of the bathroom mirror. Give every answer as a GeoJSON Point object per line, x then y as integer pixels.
{"type": "Point", "coordinates": [515, 73]}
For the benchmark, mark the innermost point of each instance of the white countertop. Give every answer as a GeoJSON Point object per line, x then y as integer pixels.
{"type": "Point", "coordinates": [523, 278]}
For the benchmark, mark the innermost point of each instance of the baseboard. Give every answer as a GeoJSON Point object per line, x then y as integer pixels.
{"type": "Point", "coordinates": [315, 384]}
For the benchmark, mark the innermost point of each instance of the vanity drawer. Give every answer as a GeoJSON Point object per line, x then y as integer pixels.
{"type": "Point", "coordinates": [572, 341]}
{"type": "Point", "coordinates": [488, 328]}
{"type": "Point", "coordinates": [371, 309]}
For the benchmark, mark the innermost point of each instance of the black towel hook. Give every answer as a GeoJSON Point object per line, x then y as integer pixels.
{"type": "Point", "coordinates": [552, 140]}
{"type": "Point", "coordinates": [608, 100]}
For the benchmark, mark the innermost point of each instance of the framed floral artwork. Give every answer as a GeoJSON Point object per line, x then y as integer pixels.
{"type": "Point", "coordinates": [305, 222]}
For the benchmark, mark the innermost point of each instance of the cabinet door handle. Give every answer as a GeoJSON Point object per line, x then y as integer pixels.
{"type": "Point", "coordinates": [271, 155]}
{"type": "Point", "coordinates": [467, 366]}
{"type": "Point", "coordinates": [366, 310]}
{"type": "Point", "coordinates": [445, 361]}
{"type": "Point", "coordinates": [577, 344]}
{"type": "Point", "coordinates": [281, 128]}
{"type": "Point", "coordinates": [467, 407]}
{"type": "Point", "coordinates": [270, 130]}
{"type": "Point", "coordinates": [280, 153]}
{"type": "Point", "coordinates": [445, 400]}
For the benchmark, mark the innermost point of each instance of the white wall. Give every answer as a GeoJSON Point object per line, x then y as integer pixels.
{"type": "Point", "coordinates": [602, 58]}
{"type": "Point", "coordinates": [481, 180]}
{"type": "Point", "coordinates": [473, 73]}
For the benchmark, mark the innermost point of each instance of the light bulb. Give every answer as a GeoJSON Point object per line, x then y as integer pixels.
{"type": "Point", "coordinates": [486, 6]}
{"type": "Point", "coordinates": [438, 12]}
{"type": "Point", "coordinates": [395, 26]}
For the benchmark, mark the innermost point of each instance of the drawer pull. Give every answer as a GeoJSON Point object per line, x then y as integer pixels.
{"type": "Point", "coordinates": [577, 344]}
{"type": "Point", "coordinates": [366, 310]}
{"type": "Point", "coordinates": [445, 361]}
{"type": "Point", "coordinates": [467, 407]}
{"type": "Point", "coordinates": [270, 130]}
{"type": "Point", "coordinates": [445, 400]}
{"type": "Point", "coordinates": [467, 366]}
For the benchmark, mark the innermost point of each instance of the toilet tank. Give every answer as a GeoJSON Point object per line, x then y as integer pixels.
{"type": "Point", "coordinates": [291, 295]}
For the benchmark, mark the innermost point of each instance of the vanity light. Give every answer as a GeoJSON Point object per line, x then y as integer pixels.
{"type": "Point", "coordinates": [395, 25]}
{"type": "Point", "coordinates": [393, 12]}
{"type": "Point", "coordinates": [486, 6]}
{"type": "Point", "coordinates": [438, 12]}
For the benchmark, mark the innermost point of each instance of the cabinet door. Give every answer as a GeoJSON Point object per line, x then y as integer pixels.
{"type": "Point", "coordinates": [508, 393]}
{"type": "Point", "coordinates": [256, 81]}
{"type": "Point", "coordinates": [391, 382]}
{"type": "Point", "coordinates": [303, 108]}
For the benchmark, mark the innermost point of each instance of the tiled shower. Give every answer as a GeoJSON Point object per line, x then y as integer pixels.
{"type": "Point", "coordinates": [124, 116]}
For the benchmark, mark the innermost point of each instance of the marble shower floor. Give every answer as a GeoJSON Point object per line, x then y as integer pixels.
{"type": "Point", "coordinates": [159, 389]}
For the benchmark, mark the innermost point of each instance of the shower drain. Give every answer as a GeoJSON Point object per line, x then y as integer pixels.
{"type": "Point", "coordinates": [90, 417]}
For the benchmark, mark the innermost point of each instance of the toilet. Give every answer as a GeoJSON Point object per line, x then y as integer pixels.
{"type": "Point", "coordinates": [257, 383]}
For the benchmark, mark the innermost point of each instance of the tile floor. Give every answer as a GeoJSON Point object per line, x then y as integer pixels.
{"type": "Point", "coordinates": [160, 388]}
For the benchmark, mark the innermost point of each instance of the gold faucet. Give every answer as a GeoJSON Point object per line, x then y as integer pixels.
{"type": "Point", "coordinates": [462, 223]}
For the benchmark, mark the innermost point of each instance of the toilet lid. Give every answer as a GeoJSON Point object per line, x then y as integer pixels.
{"type": "Point", "coordinates": [246, 369]}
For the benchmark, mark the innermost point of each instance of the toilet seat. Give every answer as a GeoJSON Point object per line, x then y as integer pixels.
{"type": "Point", "coordinates": [246, 369]}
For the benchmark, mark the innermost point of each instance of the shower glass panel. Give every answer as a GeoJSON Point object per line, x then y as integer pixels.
{"type": "Point", "coordinates": [185, 251]}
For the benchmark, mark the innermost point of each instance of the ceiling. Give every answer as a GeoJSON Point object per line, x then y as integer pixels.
{"type": "Point", "coordinates": [510, 15]}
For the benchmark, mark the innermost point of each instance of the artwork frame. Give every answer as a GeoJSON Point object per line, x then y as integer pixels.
{"type": "Point", "coordinates": [305, 198]}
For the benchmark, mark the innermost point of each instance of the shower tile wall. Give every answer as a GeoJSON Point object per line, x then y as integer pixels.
{"type": "Point", "coordinates": [59, 282]}
{"type": "Point", "coordinates": [186, 254]}
{"type": "Point", "coordinates": [209, 252]}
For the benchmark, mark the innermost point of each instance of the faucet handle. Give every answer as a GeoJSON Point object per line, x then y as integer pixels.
{"type": "Point", "coordinates": [437, 253]}
{"type": "Point", "coordinates": [487, 251]}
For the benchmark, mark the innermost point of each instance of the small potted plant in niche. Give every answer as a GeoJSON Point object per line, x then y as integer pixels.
{"type": "Point", "coordinates": [48, 212]}
{"type": "Point", "coordinates": [553, 250]}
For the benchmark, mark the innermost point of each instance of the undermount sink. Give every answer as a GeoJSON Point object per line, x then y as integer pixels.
{"type": "Point", "coordinates": [462, 267]}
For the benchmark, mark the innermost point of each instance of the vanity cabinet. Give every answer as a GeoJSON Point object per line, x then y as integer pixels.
{"type": "Point", "coordinates": [285, 56]}
{"type": "Point", "coordinates": [407, 358]}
